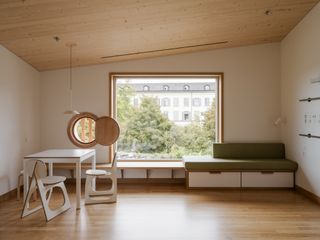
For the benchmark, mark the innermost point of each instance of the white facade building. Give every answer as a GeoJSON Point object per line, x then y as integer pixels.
{"type": "Point", "coordinates": [182, 103]}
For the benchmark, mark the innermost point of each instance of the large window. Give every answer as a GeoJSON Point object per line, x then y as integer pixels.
{"type": "Point", "coordinates": [155, 130]}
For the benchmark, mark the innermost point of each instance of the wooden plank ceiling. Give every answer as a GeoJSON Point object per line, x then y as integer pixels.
{"type": "Point", "coordinates": [108, 31]}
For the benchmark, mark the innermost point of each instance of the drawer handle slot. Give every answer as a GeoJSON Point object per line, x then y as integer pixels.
{"type": "Point", "coordinates": [215, 172]}
{"type": "Point", "coordinates": [267, 172]}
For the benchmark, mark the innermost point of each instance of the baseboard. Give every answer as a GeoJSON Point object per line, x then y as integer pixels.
{"type": "Point", "coordinates": [242, 188]}
{"type": "Point", "coordinates": [9, 195]}
{"type": "Point", "coordinates": [308, 194]}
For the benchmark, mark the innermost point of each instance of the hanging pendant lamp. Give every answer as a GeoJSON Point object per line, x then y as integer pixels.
{"type": "Point", "coordinates": [71, 110]}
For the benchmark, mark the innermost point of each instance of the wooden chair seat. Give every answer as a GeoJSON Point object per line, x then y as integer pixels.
{"type": "Point", "coordinates": [51, 180]}
{"type": "Point", "coordinates": [96, 172]}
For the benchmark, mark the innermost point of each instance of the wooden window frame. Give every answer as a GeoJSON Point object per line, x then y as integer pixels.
{"type": "Point", "coordinates": [220, 82]}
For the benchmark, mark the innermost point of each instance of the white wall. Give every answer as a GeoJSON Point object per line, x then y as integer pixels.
{"type": "Point", "coordinates": [300, 62]}
{"type": "Point", "coordinates": [251, 90]}
{"type": "Point", "coordinates": [20, 116]}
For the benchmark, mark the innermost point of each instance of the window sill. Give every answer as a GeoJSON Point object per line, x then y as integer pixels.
{"type": "Point", "coordinates": [150, 165]}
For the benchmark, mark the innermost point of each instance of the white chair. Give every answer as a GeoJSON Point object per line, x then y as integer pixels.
{"type": "Point", "coordinates": [20, 178]}
{"type": "Point", "coordinates": [93, 196]}
{"type": "Point", "coordinates": [20, 181]}
{"type": "Point", "coordinates": [45, 185]}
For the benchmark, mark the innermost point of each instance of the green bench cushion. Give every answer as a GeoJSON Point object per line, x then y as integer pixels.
{"type": "Point", "coordinates": [208, 163]}
{"type": "Point", "coordinates": [249, 150]}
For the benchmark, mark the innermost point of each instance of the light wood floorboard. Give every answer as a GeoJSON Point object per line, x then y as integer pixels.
{"type": "Point", "coordinates": [169, 212]}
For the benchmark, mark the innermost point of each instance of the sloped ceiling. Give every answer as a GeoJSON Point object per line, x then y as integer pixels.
{"type": "Point", "coordinates": [108, 31]}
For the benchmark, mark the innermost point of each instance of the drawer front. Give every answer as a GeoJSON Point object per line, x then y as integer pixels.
{"type": "Point", "coordinates": [268, 179]}
{"type": "Point", "coordinates": [214, 179]}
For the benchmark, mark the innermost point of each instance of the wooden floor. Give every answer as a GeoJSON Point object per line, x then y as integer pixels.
{"type": "Point", "coordinates": [169, 212]}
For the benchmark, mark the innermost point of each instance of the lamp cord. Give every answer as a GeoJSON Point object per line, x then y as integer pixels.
{"type": "Point", "coordinates": [70, 81]}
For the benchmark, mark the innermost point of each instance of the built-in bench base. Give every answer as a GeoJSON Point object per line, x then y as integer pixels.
{"type": "Point", "coordinates": [241, 165]}
{"type": "Point", "coordinates": [239, 179]}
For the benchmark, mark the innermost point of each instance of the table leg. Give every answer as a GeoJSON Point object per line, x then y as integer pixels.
{"type": "Point", "coordinates": [50, 164]}
{"type": "Point", "coordinates": [78, 183]}
{"type": "Point", "coordinates": [25, 179]}
{"type": "Point", "coordinates": [93, 166]}
{"type": "Point", "coordinates": [50, 169]}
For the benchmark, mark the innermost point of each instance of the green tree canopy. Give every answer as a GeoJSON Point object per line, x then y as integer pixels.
{"type": "Point", "coordinates": [148, 130]}
{"type": "Point", "coordinates": [209, 123]}
{"type": "Point", "coordinates": [124, 109]}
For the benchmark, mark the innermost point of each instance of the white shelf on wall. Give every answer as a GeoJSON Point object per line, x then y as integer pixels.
{"type": "Point", "coordinates": [311, 119]}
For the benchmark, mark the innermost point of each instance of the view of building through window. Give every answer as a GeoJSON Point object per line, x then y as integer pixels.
{"type": "Point", "coordinates": [165, 118]}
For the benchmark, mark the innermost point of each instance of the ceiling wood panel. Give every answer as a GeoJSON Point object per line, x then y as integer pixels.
{"type": "Point", "coordinates": [108, 31]}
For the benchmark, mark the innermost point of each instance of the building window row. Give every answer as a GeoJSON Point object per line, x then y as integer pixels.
{"type": "Point", "coordinates": [146, 88]}
{"type": "Point", "coordinates": [184, 116]}
{"type": "Point", "coordinates": [166, 102]}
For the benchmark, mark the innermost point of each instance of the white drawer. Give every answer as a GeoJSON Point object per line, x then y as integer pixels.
{"type": "Point", "coordinates": [214, 179]}
{"type": "Point", "coordinates": [268, 179]}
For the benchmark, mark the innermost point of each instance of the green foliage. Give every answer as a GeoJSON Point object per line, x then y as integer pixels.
{"type": "Point", "coordinates": [148, 129]}
{"type": "Point", "coordinates": [194, 138]}
{"type": "Point", "coordinates": [124, 109]}
{"type": "Point", "coordinates": [190, 139]}
{"type": "Point", "coordinates": [209, 123]}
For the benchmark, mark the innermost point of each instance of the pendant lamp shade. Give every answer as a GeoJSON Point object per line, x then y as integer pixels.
{"type": "Point", "coordinates": [70, 111]}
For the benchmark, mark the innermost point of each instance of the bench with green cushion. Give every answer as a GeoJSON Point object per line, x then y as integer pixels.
{"type": "Point", "coordinates": [242, 157]}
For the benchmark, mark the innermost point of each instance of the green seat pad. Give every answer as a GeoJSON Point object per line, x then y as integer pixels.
{"type": "Point", "coordinates": [209, 163]}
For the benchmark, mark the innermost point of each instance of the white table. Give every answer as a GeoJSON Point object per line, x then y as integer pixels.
{"type": "Point", "coordinates": [61, 156]}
